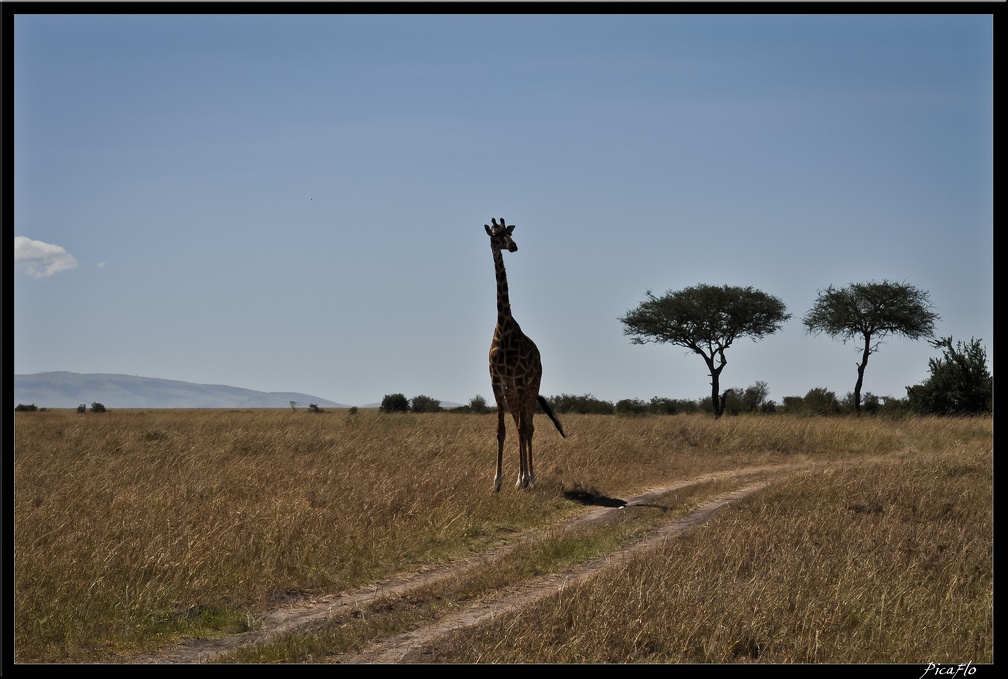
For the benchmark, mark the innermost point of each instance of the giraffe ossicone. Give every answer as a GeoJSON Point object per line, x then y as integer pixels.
{"type": "Point", "coordinates": [515, 367]}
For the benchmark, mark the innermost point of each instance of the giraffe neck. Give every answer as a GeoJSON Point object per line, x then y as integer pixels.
{"type": "Point", "coordinates": [503, 303]}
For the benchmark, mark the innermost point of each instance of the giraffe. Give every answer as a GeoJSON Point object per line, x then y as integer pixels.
{"type": "Point", "coordinates": [515, 367]}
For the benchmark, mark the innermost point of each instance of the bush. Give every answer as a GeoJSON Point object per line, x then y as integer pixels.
{"type": "Point", "coordinates": [681, 405]}
{"type": "Point", "coordinates": [82, 408]}
{"type": "Point", "coordinates": [425, 404]}
{"type": "Point", "coordinates": [732, 403]}
{"type": "Point", "coordinates": [587, 404]}
{"type": "Point", "coordinates": [478, 405]}
{"type": "Point", "coordinates": [752, 398]}
{"type": "Point", "coordinates": [960, 383]}
{"type": "Point", "coordinates": [96, 408]}
{"type": "Point", "coordinates": [22, 408]}
{"type": "Point", "coordinates": [631, 406]}
{"type": "Point", "coordinates": [870, 403]}
{"type": "Point", "coordinates": [820, 401]}
{"type": "Point", "coordinates": [663, 406]}
{"type": "Point", "coordinates": [394, 403]}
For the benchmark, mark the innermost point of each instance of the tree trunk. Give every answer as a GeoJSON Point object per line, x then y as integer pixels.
{"type": "Point", "coordinates": [860, 374]}
{"type": "Point", "coordinates": [715, 381]}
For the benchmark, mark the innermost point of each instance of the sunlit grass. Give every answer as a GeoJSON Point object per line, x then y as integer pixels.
{"type": "Point", "coordinates": [134, 528]}
{"type": "Point", "coordinates": [888, 562]}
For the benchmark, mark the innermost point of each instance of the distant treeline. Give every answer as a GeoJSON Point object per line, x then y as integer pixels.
{"type": "Point", "coordinates": [736, 402]}
{"type": "Point", "coordinates": [959, 384]}
{"type": "Point", "coordinates": [751, 400]}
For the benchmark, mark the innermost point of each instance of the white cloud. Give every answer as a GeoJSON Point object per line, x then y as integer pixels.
{"type": "Point", "coordinates": [41, 260]}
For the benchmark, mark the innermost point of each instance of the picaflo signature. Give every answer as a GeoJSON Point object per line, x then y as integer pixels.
{"type": "Point", "coordinates": [949, 671]}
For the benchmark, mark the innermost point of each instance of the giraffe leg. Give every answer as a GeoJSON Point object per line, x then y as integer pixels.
{"type": "Point", "coordinates": [527, 429]}
{"type": "Point", "coordinates": [523, 479]}
{"type": "Point", "coordinates": [516, 416]}
{"type": "Point", "coordinates": [522, 457]}
{"type": "Point", "coordinates": [501, 432]}
{"type": "Point", "coordinates": [523, 464]}
{"type": "Point", "coordinates": [530, 428]}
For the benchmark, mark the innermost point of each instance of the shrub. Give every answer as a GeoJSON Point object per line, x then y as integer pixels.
{"type": "Point", "coordinates": [895, 408]}
{"type": "Point", "coordinates": [587, 404]}
{"type": "Point", "coordinates": [394, 403]}
{"type": "Point", "coordinates": [425, 404]}
{"type": "Point", "coordinates": [631, 406]}
{"type": "Point", "coordinates": [663, 406]}
{"type": "Point", "coordinates": [731, 402]}
{"type": "Point", "coordinates": [22, 408]}
{"type": "Point", "coordinates": [684, 405]}
{"type": "Point", "coordinates": [960, 383]}
{"type": "Point", "coordinates": [478, 405]}
{"type": "Point", "coordinates": [870, 403]}
{"type": "Point", "coordinates": [752, 398]}
{"type": "Point", "coordinates": [818, 401]}
{"type": "Point", "coordinates": [97, 408]}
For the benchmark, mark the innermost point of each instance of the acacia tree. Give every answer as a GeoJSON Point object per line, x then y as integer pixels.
{"type": "Point", "coordinates": [706, 319]}
{"type": "Point", "coordinates": [869, 312]}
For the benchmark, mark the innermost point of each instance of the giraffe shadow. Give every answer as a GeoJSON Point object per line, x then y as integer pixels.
{"type": "Point", "coordinates": [594, 498]}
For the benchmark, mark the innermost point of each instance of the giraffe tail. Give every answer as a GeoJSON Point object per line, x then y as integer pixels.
{"type": "Point", "coordinates": [544, 404]}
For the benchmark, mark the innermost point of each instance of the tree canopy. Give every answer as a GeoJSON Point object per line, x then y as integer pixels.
{"type": "Point", "coordinates": [706, 319]}
{"type": "Point", "coordinates": [869, 312]}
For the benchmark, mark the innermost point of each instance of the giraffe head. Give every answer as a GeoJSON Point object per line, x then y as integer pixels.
{"type": "Point", "coordinates": [500, 236]}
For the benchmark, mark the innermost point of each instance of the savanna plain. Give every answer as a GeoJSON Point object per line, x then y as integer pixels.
{"type": "Point", "coordinates": [865, 539]}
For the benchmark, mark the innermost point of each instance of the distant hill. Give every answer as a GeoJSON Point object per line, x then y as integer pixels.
{"type": "Point", "coordinates": [68, 390]}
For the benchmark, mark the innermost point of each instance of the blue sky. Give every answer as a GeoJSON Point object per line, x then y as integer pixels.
{"type": "Point", "coordinates": [296, 202]}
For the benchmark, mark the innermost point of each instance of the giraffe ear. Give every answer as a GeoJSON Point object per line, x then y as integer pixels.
{"type": "Point", "coordinates": [487, 227]}
{"type": "Point", "coordinates": [510, 229]}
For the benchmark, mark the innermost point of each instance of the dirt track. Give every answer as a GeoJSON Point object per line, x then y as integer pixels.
{"type": "Point", "coordinates": [304, 613]}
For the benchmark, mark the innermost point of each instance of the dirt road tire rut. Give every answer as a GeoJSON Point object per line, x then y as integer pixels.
{"type": "Point", "coordinates": [302, 614]}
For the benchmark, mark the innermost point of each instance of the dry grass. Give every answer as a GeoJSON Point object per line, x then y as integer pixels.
{"type": "Point", "coordinates": [133, 528]}
{"type": "Point", "coordinates": [879, 563]}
